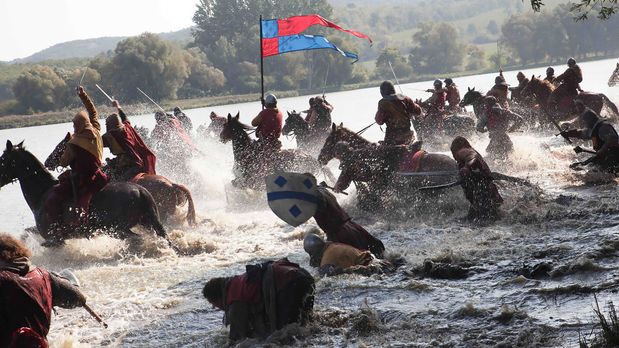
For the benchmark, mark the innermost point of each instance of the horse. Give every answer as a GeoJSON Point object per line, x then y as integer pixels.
{"type": "Point", "coordinates": [116, 208]}
{"type": "Point", "coordinates": [307, 138]}
{"type": "Point", "coordinates": [250, 163]}
{"type": "Point", "coordinates": [167, 194]}
{"type": "Point", "coordinates": [613, 80]}
{"type": "Point", "coordinates": [563, 111]}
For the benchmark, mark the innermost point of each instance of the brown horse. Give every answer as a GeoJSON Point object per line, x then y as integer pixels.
{"type": "Point", "coordinates": [251, 166]}
{"type": "Point", "coordinates": [614, 77]}
{"type": "Point", "coordinates": [116, 208]}
{"type": "Point", "coordinates": [307, 138]}
{"type": "Point", "coordinates": [430, 162]}
{"type": "Point", "coordinates": [564, 110]}
{"type": "Point", "coordinates": [167, 194]}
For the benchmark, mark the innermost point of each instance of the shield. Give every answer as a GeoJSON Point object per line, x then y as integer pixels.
{"type": "Point", "coordinates": [293, 197]}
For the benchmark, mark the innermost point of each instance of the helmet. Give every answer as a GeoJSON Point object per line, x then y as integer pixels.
{"type": "Point", "coordinates": [160, 116]}
{"type": "Point", "coordinates": [499, 79]}
{"type": "Point", "coordinates": [313, 244]}
{"type": "Point", "coordinates": [387, 88]}
{"type": "Point", "coordinates": [438, 83]}
{"type": "Point", "coordinates": [270, 99]}
{"type": "Point", "coordinates": [571, 62]}
{"type": "Point", "coordinates": [520, 75]}
{"type": "Point", "coordinates": [550, 71]}
{"type": "Point", "coordinates": [448, 81]}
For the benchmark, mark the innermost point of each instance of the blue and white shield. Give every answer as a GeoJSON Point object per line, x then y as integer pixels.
{"type": "Point", "coordinates": [293, 197]}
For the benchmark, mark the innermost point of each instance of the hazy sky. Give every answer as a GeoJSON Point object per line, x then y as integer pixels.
{"type": "Point", "coordinates": [28, 26]}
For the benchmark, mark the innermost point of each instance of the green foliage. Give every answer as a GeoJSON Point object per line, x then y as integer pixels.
{"type": "Point", "coordinates": [437, 49]}
{"type": "Point", "coordinates": [400, 65]}
{"type": "Point", "coordinates": [583, 8]}
{"type": "Point", "coordinates": [476, 58]}
{"type": "Point", "coordinates": [40, 89]}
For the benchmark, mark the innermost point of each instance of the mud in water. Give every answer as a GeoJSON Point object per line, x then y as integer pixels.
{"type": "Point", "coordinates": [525, 281]}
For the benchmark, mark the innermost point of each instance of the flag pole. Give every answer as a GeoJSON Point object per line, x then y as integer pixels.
{"type": "Point", "coordinates": [261, 67]}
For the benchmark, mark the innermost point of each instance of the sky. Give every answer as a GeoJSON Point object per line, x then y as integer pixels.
{"type": "Point", "coordinates": [28, 26]}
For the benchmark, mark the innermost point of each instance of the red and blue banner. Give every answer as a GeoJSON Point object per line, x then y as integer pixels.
{"type": "Point", "coordinates": [284, 35]}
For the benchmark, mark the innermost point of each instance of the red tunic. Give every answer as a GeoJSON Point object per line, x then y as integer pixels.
{"type": "Point", "coordinates": [239, 289]}
{"type": "Point", "coordinates": [133, 145]}
{"type": "Point", "coordinates": [270, 127]}
{"type": "Point", "coordinates": [27, 302]}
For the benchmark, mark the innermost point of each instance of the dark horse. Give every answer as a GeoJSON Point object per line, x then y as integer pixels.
{"type": "Point", "coordinates": [476, 99]}
{"type": "Point", "coordinates": [117, 207]}
{"type": "Point", "coordinates": [167, 194]}
{"type": "Point", "coordinates": [308, 139]}
{"type": "Point", "coordinates": [613, 80]}
{"type": "Point", "coordinates": [564, 110]}
{"type": "Point", "coordinates": [250, 165]}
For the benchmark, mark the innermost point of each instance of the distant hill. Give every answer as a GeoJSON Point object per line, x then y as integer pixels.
{"type": "Point", "coordinates": [91, 47]}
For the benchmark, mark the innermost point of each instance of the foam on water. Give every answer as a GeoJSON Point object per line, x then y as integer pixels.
{"type": "Point", "coordinates": [149, 295]}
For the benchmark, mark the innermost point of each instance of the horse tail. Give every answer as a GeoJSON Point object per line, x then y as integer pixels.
{"type": "Point", "coordinates": [610, 104]}
{"type": "Point", "coordinates": [151, 214]}
{"type": "Point", "coordinates": [191, 209]}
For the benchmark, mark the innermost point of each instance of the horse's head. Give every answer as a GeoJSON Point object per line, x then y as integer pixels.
{"type": "Point", "coordinates": [337, 134]}
{"type": "Point", "coordinates": [614, 77]}
{"type": "Point", "coordinates": [233, 128]}
{"type": "Point", "coordinates": [13, 162]}
{"type": "Point", "coordinates": [294, 123]}
{"type": "Point", "coordinates": [471, 97]}
{"type": "Point", "coordinates": [53, 160]}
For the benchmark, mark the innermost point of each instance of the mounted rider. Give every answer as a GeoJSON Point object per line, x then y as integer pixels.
{"type": "Point", "coordinates": [435, 106]}
{"type": "Point", "coordinates": [339, 227]}
{"type": "Point", "coordinates": [268, 125]}
{"type": "Point", "coordinates": [602, 135]}
{"type": "Point", "coordinates": [264, 299]}
{"type": "Point", "coordinates": [397, 111]}
{"type": "Point", "coordinates": [569, 83]}
{"type": "Point", "coordinates": [476, 181]}
{"type": "Point", "coordinates": [550, 75]}
{"type": "Point", "coordinates": [132, 155]}
{"type": "Point", "coordinates": [83, 154]}
{"type": "Point", "coordinates": [500, 90]}
{"type": "Point", "coordinates": [184, 119]}
{"type": "Point", "coordinates": [335, 258]}
{"type": "Point", "coordinates": [496, 121]}
{"type": "Point", "coordinates": [453, 96]}
{"type": "Point", "coordinates": [319, 115]}
{"type": "Point", "coordinates": [523, 81]}
{"type": "Point", "coordinates": [169, 134]}
{"type": "Point", "coordinates": [28, 295]}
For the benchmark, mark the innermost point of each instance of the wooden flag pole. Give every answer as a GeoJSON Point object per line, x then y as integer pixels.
{"type": "Point", "coordinates": [261, 67]}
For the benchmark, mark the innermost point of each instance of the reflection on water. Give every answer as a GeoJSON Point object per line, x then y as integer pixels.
{"type": "Point", "coordinates": [530, 276]}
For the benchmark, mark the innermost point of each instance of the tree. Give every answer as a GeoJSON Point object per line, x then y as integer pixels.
{"type": "Point", "coordinates": [605, 8]}
{"type": "Point", "coordinates": [203, 79]}
{"type": "Point", "coordinates": [401, 67]}
{"type": "Point", "coordinates": [492, 27]}
{"type": "Point", "coordinates": [437, 49]}
{"type": "Point", "coordinates": [40, 89]}
{"type": "Point", "coordinates": [476, 58]}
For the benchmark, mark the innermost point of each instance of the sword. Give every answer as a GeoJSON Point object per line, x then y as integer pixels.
{"type": "Point", "coordinates": [84, 74]}
{"type": "Point", "coordinates": [102, 91]}
{"type": "Point", "coordinates": [440, 187]}
{"type": "Point", "coordinates": [560, 130]}
{"type": "Point", "coordinates": [437, 173]}
{"type": "Point", "coordinates": [152, 101]}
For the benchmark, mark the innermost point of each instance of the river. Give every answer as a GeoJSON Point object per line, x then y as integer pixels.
{"type": "Point", "coordinates": [153, 297]}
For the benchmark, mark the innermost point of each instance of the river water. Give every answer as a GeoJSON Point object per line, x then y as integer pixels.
{"type": "Point", "coordinates": [152, 297]}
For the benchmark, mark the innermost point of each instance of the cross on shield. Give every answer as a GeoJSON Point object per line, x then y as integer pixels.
{"type": "Point", "coordinates": [293, 197]}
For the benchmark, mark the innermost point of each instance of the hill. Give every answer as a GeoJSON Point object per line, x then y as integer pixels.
{"type": "Point", "coordinates": [91, 47]}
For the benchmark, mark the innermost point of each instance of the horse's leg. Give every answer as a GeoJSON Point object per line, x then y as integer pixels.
{"type": "Point", "coordinates": [191, 210]}
{"type": "Point", "coordinates": [150, 214]}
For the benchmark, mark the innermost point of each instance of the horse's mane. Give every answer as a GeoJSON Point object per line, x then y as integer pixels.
{"type": "Point", "coordinates": [32, 160]}
{"type": "Point", "coordinates": [240, 124]}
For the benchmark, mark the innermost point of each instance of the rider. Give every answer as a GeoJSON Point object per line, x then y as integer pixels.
{"type": "Point", "coordinates": [27, 296]}
{"type": "Point", "coordinates": [499, 90]}
{"type": "Point", "coordinates": [569, 82]}
{"type": "Point", "coordinates": [334, 258]}
{"type": "Point", "coordinates": [169, 134]}
{"type": "Point", "coordinates": [603, 136]}
{"type": "Point", "coordinates": [550, 75]}
{"type": "Point", "coordinates": [264, 299]}
{"type": "Point", "coordinates": [497, 122]}
{"type": "Point", "coordinates": [319, 115]}
{"type": "Point", "coordinates": [185, 120]}
{"type": "Point", "coordinates": [476, 180]}
{"type": "Point", "coordinates": [83, 154]}
{"type": "Point", "coordinates": [268, 125]}
{"type": "Point", "coordinates": [397, 111]}
{"type": "Point", "coordinates": [453, 96]}
{"type": "Point", "coordinates": [523, 81]}
{"type": "Point", "coordinates": [339, 227]}
{"type": "Point", "coordinates": [435, 105]}
{"type": "Point", "coordinates": [132, 155]}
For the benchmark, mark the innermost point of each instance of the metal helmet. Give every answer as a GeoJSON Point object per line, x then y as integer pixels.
{"type": "Point", "coordinates": [387, 88]}
{"type": "Point", "coordinates": [270, 99]}
{"type": "Point", "coordinates": [449, 81]}
{"type": "Point", "coordinates": [550, 71]}
{"type": "Point", "coordinates": [313, 244]}
{"type": "Point", "coordinates": [438, 83]}
{"type": "Point", "coordinates": [499, 79]}
{"type": "Point", "coordinates": [571, 62]}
